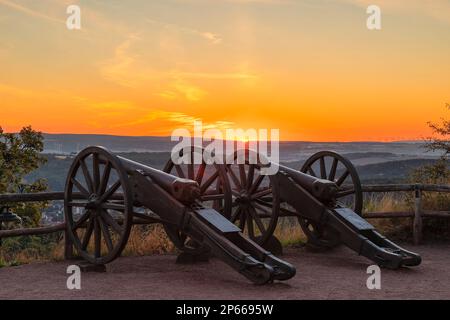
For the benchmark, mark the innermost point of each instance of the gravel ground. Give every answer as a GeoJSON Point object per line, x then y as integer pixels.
{"type": "Point", "coordinates": [337, 274]}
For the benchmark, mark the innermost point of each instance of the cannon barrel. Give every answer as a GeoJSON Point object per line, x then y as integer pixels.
{"type": "Point", "coordinates": [322, 189]}
{"type": "Point", "coordinates": [184, 190]}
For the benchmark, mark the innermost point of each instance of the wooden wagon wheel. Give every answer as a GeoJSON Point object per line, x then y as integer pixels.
{"type": "Point", "coordinates": [99, 223]}
{"type": "Point", "coordinates": [214, 186]}
{"type": "Point", "coordinates": [256, 199]}
{"type": "Point", "coordinates": [334, 167]}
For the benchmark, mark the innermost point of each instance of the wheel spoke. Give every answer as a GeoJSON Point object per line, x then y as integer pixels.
{"type": "Point", "coordinates": [264, 203]}
{"type": "Point", "coordinates": [87, 176]}
{"type": "Point", "coordinates": [332, 174]}
{"type": "Point", "coordinates": [106, 234]}
{"type": "Point", "coordinates": [242, 219]}
{"type": "Point", "coordinates": [80, 187]}
{"type": "Point", "coordinates": [342, 177]}
{"type": "Point", "coordinates": [258, 220]}
{"type": "Point", "coordinates": [257, 183]}
{"type": "Point", "coordinates": [96, 172]}
{"type": "Point", "coordinates": [110, 191]}
{"type": "Point", "coordinates": [105, 178]}
{"type": "Point", "coordinates": [251, 174]}
{"type": "Point", "coordinates": [262, 193]}
{"type": "Point", "coordinates": [191, 168]}
{"type": "Point", "coordinates": [311, 171]}
{"type": "Point", "coordinates": [251, 231]}
{"type": "Point", "coordinates": [208, 182]}
{"type": "Point", "coordinates": [265, 209]}
{"type": "Point", "coordinates": [179, 171]}
{"type": "Point", "coordinates": [323, 169]}
{"type": "Point", "coordinates": [210, 197]}
{"type": "Point", "coordinates": [234, 178]}
{"type": "Point", "coordinates": [87, 234]}
{"type": "Point", "coordinates": [200, 174]}
{"type": "Point", "coordinates": [243, 176]}
{"type": "Point", "coordinates": [110, 221]}
{"type": "Point", "coordinates": [97, 238]}
{"type": "Point", "coordinates": [81, 220]}
{"type": "Point", "coordinates": [77, 204]}
{"type": "Point", "coordinates": [344, 193]}
{"type": "Point", "coordinates": [236, 214]}
{"type": "Point", "coordinates": [113, 206]}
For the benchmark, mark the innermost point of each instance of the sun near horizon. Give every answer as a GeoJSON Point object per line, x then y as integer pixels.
{"type": "Point", "coordinates": [144, 68]}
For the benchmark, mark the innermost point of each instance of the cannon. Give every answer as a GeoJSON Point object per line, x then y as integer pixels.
{"type": "Point", "coordinates": [106, 194]}
{"type": "Point", "coordinates": [325, 196]}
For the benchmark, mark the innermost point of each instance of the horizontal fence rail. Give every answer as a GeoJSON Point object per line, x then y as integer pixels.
{"type": "Point", "coordinates": [417, 214]}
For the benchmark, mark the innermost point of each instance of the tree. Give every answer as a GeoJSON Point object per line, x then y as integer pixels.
{"type": "Point", "coordinates": [442, 142]}
{"type": "Point", "coordinates": [20, 154]}
{"type": "Point", "coordinates": [439, 172]}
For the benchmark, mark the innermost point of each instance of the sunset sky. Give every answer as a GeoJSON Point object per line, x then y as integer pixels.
{"type": "Point", "coordinates": [310, 68]}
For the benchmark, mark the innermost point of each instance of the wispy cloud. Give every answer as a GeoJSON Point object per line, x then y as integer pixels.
{"type": "Point", "coordinates": [212, 37]}
{"type": "Point", "coordinates": [176, 119]}
{"type": "Point", "coordinates": [29, 11]}
{"type": "Point", "coordinates": [121, 68]}
{"type": "Point", "coordinates": [181, 89]}
{"type": "Point", "coordinates": [129, 70]}
{"type": "Point", "coordinates": [129, 115]}
{"type": "Point", "coordinates": [217, 76]}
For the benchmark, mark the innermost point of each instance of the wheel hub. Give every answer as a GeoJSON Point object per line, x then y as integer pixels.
{"type": "Point", "coordinates": [244, 198]}
{"type": "Point", "coordinates": [93, 202]}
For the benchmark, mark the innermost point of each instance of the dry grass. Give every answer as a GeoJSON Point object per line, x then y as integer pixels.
{"type": "Point", "coordinates": [289, 232]}
{"type": "Point", "coordinates": [397, 228]}
{"type": "Point", "coordinates": [11, 257]}
{"type": "Point", "coordinates": [146, 240]}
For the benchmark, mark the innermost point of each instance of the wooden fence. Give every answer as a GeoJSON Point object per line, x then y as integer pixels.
{"type": "Point", "coordinates": [418, 214]}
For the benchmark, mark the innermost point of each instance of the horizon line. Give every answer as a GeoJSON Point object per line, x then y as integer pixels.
{"type": "Point", "coordinates": [304, 141]}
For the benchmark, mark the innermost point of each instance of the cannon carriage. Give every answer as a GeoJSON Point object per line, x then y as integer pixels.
{"type": "Point", "coordinates": [324, 196]}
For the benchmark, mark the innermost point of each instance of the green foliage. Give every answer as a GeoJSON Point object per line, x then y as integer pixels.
{"type": "Point", "coordinates": [20, 154]}
{"type": "Point", "coordinates": [20, 250]}
{"type": "Point", "coordinates": [442, 141]}
{"type": "Point", "coordinates": [439, 172]}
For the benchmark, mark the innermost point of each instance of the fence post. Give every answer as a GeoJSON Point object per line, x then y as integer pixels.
{"type": "Point", "coordinates": [68, 246]}
{"type": "Point", "coordinates": [417, 224]}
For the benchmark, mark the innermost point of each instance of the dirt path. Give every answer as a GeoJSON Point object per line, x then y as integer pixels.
{"type": "Point", "coordinates": [338, 274]}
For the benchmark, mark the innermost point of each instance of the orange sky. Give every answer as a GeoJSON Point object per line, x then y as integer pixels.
{"type": "Point", "coordinates": [308, 68]}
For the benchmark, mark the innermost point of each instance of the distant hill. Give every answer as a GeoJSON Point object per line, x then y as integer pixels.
{"type": "Point", "coordinates": [68, 143]}
{"type": "Point", "coordinates": [289, 150]}
{"type": "Point", "coordinates": [391, 171]}
{"type": "Point", "coordinates": [56, 168]}
{"type": "Point", "coordinates": [375, 161]}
